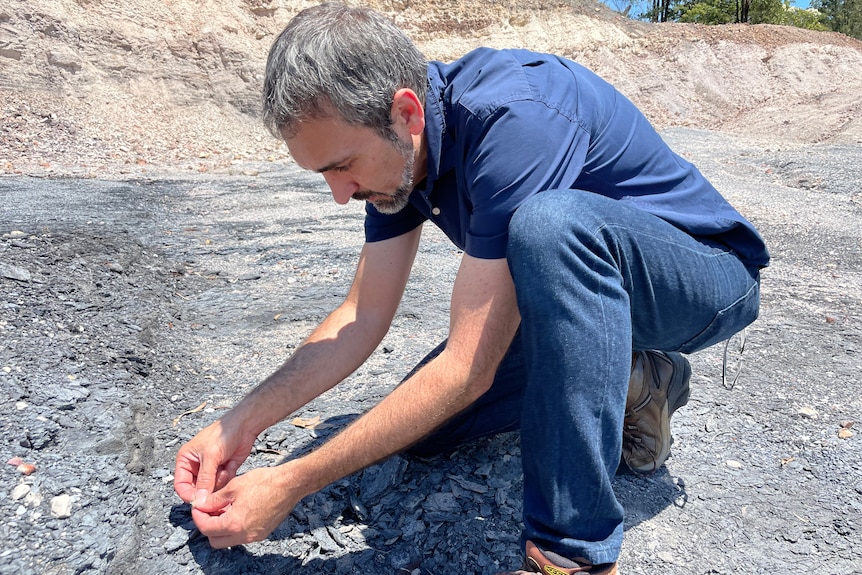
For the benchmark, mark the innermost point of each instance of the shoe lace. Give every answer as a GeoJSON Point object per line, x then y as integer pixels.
{"type": "Point", "coordinates": [631, 433]}
{"type": "Point", "coordinates": [632, 436]}
{"type": "Point", "coordinates": [737, 368]}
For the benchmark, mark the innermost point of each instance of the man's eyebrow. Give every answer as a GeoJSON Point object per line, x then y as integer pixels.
{"type": "Point", "coordinates": [332, 165]}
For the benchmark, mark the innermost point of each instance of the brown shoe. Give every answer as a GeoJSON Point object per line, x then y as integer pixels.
{"type": "Point", "coordinates": [657, 388]}
{"type": "Point", "coordinates": [549, 563]}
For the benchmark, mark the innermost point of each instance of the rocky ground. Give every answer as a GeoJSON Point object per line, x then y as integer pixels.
{"type": "Point", "coordinates": [133, 312]}
{"type": "Point", "coordinates": [159, 255]}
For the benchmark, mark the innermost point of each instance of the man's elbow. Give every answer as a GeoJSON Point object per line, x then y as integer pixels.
{"type": "Point", "coordinates": [478, 381]}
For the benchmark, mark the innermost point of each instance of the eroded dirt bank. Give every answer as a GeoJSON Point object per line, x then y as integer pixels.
{"type": "Point", "coordinates": [126, 88]}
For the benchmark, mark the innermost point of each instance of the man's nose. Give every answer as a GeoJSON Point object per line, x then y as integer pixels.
{"type": "Point", "coordinates": [342, 186]}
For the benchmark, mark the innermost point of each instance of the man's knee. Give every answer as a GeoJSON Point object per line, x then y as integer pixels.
{"type": "Point", "coordinates": [556, 218]}
{"type": "Point", "coordinates": [535, 223]}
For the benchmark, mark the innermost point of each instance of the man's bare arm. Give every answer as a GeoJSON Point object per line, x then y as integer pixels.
{"type": "Point", "coordinates": [344, 340]}
{"type": "Point", "coordinates": [334, 350]}
{"type": "Point", "coordinates": [484, 319]}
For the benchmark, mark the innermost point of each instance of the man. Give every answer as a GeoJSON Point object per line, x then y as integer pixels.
{"type": "Point", "coordinates": [588, 244]}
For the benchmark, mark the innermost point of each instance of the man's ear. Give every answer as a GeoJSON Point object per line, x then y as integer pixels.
{"type": "Point", "coordinates": [408, 110]}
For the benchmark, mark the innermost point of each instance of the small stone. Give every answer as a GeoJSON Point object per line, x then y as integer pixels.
{"type": "Point", "coordinates": [17, 234]}
{"type": "Point", "coordinates": [20, 491]}
{"type": "Point", "coordinates": [324, 539]}
{"type": "Point", "coordinates": [733, 464]}
{"type": "Point", "coordinates": [808, 412]}
{"type": "Point", "coordinates": [177, 540]}
{"type": "Point", "coordinates": [14, 272]}
{"type": "Point", "coordinates": [33, 499]}
{"type": "Point", "coordinates": [61, 506]}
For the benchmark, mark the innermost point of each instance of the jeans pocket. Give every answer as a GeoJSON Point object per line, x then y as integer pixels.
{"type": "Point", "coordinates": [727, 321]}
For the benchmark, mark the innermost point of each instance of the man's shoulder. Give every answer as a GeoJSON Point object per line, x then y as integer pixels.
{"type": "Point", "coordinates": [485, 79]}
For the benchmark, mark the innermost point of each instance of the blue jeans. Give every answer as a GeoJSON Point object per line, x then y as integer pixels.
{"type": "Point", "coordinates": [595, 279]}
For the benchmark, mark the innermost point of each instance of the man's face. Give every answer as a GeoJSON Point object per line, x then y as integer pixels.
{"type": "Point", "coordinates": [357, 162]}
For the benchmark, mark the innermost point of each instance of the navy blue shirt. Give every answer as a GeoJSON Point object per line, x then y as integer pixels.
{"type": "Point", "coordinates": [504, 125]}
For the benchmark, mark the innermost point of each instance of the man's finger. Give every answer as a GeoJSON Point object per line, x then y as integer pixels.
{"type": "Point", "coordinates": [184, 484]}
{"type": "Point", "coordinates": [205, 483]}
{"type": "Point", "coordinates": [225, 474]}
{"type": "Point", "coordinates": [225, 542]}
{"type": "Point", "coordinates": [217, 528]}
{"type": "Point", "coordinates": [215, 504]}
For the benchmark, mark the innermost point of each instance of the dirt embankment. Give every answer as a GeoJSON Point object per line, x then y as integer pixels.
{"type": "Point", "coordinates": [92, 88]}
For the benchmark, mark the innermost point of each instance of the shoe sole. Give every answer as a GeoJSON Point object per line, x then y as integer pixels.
{"type": "Point", "coordinates": [678, 391]}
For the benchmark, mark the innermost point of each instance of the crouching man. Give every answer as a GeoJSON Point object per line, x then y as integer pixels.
{"type": "Point", "coordinates": [593, 256]}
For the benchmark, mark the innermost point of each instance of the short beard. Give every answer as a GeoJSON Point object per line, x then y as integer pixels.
{"type": "Point", "coordinates": [399, 200]}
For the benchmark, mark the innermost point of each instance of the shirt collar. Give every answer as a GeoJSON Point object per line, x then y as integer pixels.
{"type": "Point", "coordinates": [439, 160]}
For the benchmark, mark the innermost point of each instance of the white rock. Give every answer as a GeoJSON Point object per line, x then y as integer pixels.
{"type": "Point", "coordinates": [33, 499]}
{"type": "Point", "coordinates": [20, 491]}
{"type": "Point", "coordinates": [178, 539]}
{"type": "Point", "coordinates": [808, 412]}
{"type": "Point", "coordinates": [61, 506]}
{"type": "Point", "coordinates": [733, 464]}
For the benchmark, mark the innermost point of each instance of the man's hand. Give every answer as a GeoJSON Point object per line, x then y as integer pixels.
{"type": "Point", "coordinates": [248, 508]}
{"type": "Point", "coordinates": [210, 460]}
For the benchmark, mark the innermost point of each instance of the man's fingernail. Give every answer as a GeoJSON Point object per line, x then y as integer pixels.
{"type": "Point", "coordinates": [200, 497]}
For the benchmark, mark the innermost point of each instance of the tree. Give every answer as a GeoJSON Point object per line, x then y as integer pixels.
{"type": "Point", "coordinates": [709, 12]}
{"type": "Point", "coordinates": [843, 16]}
{"type": "Point", "coordinates": [746, 12]}
{"type": "Point", "coordinates": [660, 11]}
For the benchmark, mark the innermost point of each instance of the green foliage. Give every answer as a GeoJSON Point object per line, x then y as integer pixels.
{"type": "Point", "coordinates": [810, 19]}
{"type": "Point", "coordinates": [839, 15]}
{"type": "Point", "coordinates": [843, 16]}
{"type": "Point", "coordinates": [768, 11]}
{"type": "Point", "coordinates": [781, 12]}
{"type": "Point", "coordinates": [709, 12]}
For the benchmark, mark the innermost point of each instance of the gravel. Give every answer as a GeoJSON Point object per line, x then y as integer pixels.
{"type": "Point", "coordinates": [133, 312]}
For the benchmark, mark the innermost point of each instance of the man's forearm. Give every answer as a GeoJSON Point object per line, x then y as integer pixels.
{"type": "Point", "coordinates": [483, 321]}
{"type": "Point", "coordinates": [332, 352]}
{"type": "Point", "coordinates": [433, 395]}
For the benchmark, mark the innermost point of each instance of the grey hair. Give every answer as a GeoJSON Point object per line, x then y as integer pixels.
{"type": "Point", "coordinates": [334, 59]}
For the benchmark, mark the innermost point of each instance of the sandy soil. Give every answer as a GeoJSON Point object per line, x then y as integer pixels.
{"type": "Point", "coordinates": [92, 88]}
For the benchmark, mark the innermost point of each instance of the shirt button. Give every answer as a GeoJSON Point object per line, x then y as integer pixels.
{"type": "Point", "coordinates": [435, 211]}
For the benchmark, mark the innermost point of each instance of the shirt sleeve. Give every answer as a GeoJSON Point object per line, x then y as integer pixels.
{"type": "Point", "coordinates": [380, 227]}
{"type": "Point", "coordinates": [525, 147]}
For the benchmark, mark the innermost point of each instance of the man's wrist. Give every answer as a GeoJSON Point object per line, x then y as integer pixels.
{"type": "Point", "coordinates": [245, 418]}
